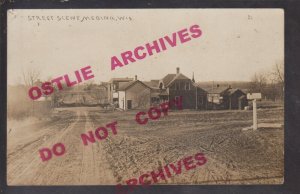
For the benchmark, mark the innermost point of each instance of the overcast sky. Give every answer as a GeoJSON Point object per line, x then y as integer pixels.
{"type": "Point", "coordinates": [235, 43]}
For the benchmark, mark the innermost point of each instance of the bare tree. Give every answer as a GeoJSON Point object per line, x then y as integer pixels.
{"type": "Point", "coordinates": [99, 94]}
{"type": "Point", "coordinates": [89, 85]}
{"type": "Point", "coordinates": [278, 73]}
{"type": "Point", "coordinates": [258, 82]}
{"type": "Point", "coordinates": [270, 84]}
{"type": "Point", "coordinates": [278, 77]}
{"type": "Point", "coordinates": [30, 76]}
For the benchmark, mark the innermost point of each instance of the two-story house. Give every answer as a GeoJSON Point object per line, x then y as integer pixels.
{"type": "Point", "coordinates": [173, 86]}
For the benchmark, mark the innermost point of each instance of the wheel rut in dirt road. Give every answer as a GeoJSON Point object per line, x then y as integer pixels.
{"type": "Point", "coordinates": [95, 168]}
{"type": "Point", "coordinates": [79, 165]}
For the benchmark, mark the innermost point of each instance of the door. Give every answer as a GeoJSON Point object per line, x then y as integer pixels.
{"type": "Point", "coordinates": [129, 104]}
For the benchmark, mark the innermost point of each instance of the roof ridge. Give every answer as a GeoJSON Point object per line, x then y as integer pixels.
{"type": "Point", "coordinates": [129, 84]}
{"type": "Point", "coordinates": [176, 76]}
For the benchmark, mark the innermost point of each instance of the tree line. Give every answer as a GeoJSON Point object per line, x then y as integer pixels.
{"type": "Point", "coordinates": [269, 83]}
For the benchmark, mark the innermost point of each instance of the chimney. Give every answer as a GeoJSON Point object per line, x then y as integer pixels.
{"type": "Point", "coordinates": [135, 77]}
{"type": "Point", "coordinates": [177, 70]}
{"type": "Point", "coordinates": [218, 85]}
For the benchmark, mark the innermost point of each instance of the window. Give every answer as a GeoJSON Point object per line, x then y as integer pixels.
{"type": "Point", "coordinates": [115, 86]}
{"type": "Point", "coordinates": [187, 86]}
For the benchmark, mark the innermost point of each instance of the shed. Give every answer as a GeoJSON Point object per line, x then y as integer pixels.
{"type": "Point", "coordinates": [236, 99]}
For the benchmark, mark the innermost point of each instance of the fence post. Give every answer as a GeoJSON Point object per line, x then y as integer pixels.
{"type": "Point", "coordinates": [254, 115]}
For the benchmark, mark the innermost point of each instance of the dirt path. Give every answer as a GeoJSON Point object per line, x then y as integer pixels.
{"type": "Point", "coordinates": [81, 164]}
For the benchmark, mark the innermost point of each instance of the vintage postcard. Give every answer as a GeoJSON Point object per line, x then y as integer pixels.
{"type": "Point", "coordinates": [145, 97]}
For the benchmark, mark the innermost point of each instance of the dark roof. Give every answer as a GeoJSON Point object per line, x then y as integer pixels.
{"type": "Point", "coordinates": [152, 83]}
{"type": "Point", "coordinates": [217, 90]}
{"type": "Point", "coordinates": [199, 88]}
{"type": "Point", "coordinates": [120, 79]}
{"type": "Point", "coordinates": [168, 79]}
{"type": "Point", "coordinates": [125, 86]}
{"type": "Point", "coordinates": [233, 90]}
{"type": "Point", "coordinates": [180, 76]}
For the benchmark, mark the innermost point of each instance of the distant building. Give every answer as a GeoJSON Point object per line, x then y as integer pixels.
{"type": "Point", "coordinates": [129, 93]}
{"type": "Point", "coordinates": [236, 99]}
{"type": "Point", "coordinates": [226, 98]}
{"type": "Point", "coordinates": [113, 87]}
{"type": "Point", "coordinates": [134, 95]}
{"type": "Point", "coordinates": [157, 95]}
{"type": "Point", "coordinates": [173, 86]}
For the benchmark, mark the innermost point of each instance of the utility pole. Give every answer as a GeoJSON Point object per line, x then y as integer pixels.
{"type": "Point", "coordinates": [194, 83]}
{"type": "Point", "coordinates": [196, 99]}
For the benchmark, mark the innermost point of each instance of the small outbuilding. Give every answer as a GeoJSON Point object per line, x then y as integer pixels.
{"type": "Point", "coordinates": [235, 99]}
{"type": "Point", "coordinates": [226, 98]}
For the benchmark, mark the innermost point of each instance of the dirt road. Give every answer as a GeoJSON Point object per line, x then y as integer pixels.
{"type": "Point", "coordinates": [234, 156]}
{"type": "Point", "coordinates": [80, 165]}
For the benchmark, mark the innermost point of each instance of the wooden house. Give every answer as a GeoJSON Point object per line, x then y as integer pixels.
{"type": "Point", "coordinates": [226, 98]}
{"type": "Point", "coordinates": [173, 86]}
{"type": "Point", "coordinates": [134, 95]}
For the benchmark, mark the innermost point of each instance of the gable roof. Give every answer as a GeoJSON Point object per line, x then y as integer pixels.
{"type": "Point", "coordinates": [180, 76]}
{"type": "Point", "coordinates": [233, 90]}
{"type": "Point", "coordinates": [127, 85]}
{"type": "Point", "coordinates": [217, 90]}
{"type": "Point", "coordinates": [152, 84]}
{"type": "Point", "coordinates": [199, 88]}
{"type": "Point", "coordinates": [170, 78]}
